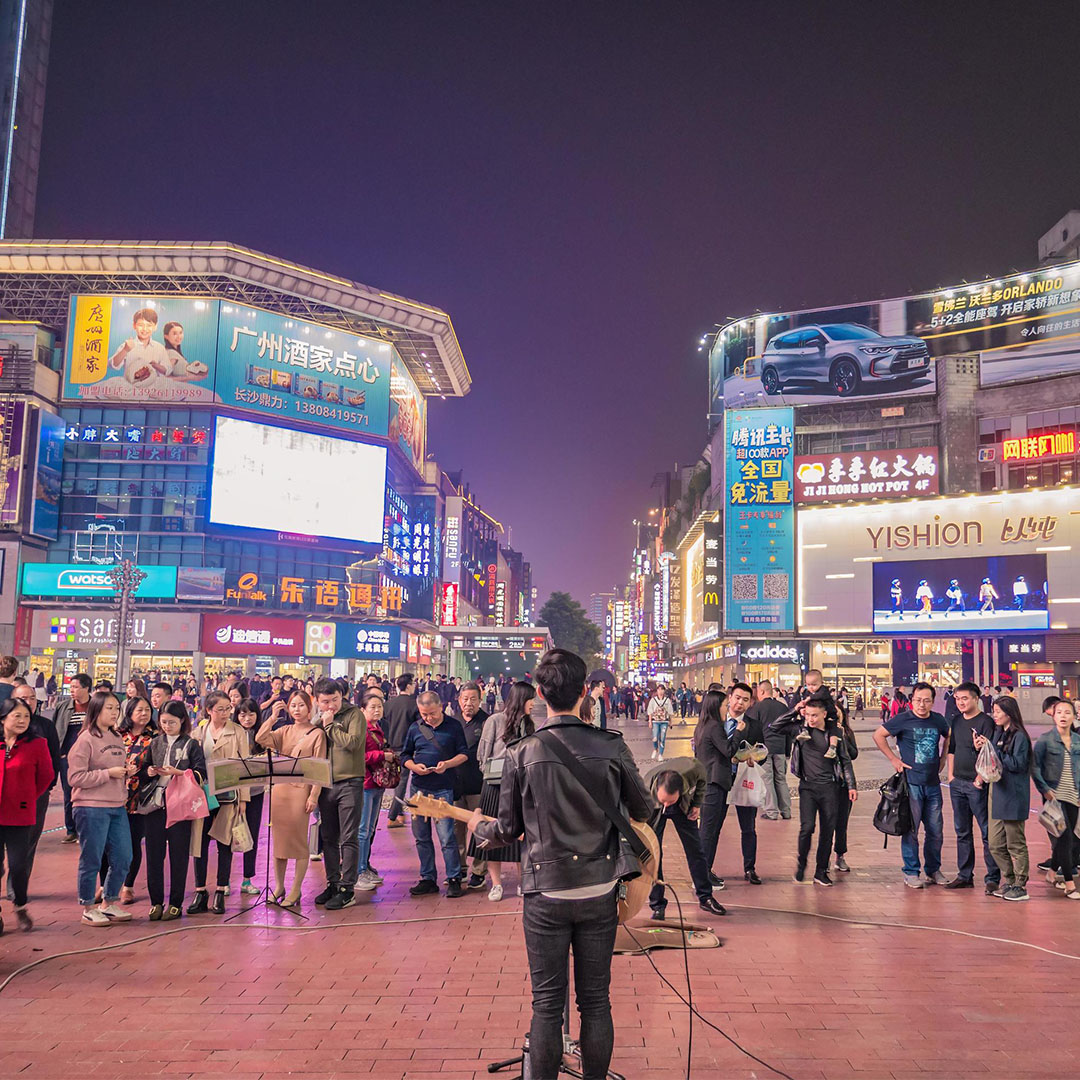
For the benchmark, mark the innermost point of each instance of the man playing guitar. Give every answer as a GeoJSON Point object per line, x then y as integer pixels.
{"type": "Point", "coordinates": [573, 860]}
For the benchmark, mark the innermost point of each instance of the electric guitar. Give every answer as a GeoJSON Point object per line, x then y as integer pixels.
{"type": "Point", "coordinates": [633, 894]}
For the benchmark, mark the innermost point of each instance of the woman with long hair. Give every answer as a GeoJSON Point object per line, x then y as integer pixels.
{"type": "Point", "coordinates": [170, 753]}
{"type": "Point", "coordinates": [98, 766]}
{"type": "Point", "coordinates": [220, 738]}
{"type": "Point", "coordinates": [247, 714]}
{"type": "Point", "coordinates": [376, 753]}
{"type": "Point", "coordinates": [1010, 798]}
{"type": "Point", "coordinates": [137, 729]}
{"type": "Point", "coordinates": [26, 772]}
{"type": "Point", "coordinates": [292, 804]}
{"type": "Point", "coordinates": [1056, 772]}
{"type": "Point", "coordinates": [712, 747]}
{"type": "Point", "coordinates": [514, 722]}
{"type": "Point", "coordinates": [135, 688]}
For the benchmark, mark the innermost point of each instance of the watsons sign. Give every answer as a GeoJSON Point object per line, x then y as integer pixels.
{"type": "Point", "coordinates": [75, 579]}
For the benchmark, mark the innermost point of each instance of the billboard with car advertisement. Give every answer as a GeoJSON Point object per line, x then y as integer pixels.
{"type": "Point", "coordinates": [839, 549]}
{"type": "Point", "coordinates": [1022, 327]}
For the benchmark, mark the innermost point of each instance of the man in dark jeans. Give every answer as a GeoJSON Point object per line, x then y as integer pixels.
{"type": "Point", "coordinates": [679, 787]}
{"type": "Point", "coordinates": [741, 728]}
{"type": "Point", "coordinates": [968, 801]}
{"type": "Point", "coordinates": [342, 803]}
{"type": "Point", "coordinates": [573, 860]}
{"type": "Point", "coordinates": [818, 788]}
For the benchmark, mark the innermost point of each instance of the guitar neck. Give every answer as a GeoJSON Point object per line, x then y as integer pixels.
{"type": "Point", "coordinates": [441, 808]}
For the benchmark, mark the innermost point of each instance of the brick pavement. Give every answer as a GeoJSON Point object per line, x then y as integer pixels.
{"type": "Point", "coordinates": [369, 992]}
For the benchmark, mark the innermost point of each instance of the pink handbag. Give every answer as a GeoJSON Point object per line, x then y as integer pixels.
{"type": "Point", "coordinates": [185, 799]}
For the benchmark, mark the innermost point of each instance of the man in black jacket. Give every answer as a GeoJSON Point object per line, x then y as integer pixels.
{"type": "Point", "coordinates": [468, 778]}
{"type": "Point", "coordinates": [573, 860]}
{"type": "Point", "coordinates": [742, 727]}
{"type": "Point", "coordinates": [398, 717]}
{"type": "Point", "coordinates": [819, 790]}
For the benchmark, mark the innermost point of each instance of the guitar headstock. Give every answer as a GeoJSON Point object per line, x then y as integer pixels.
{"type": "Point", "coordinates": [426, 806]}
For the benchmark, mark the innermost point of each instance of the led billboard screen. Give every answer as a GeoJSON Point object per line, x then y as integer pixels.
{"type": "Point", "coordinates": [295, 482]}
{"type": "Point", "coordinates": [1002, 592]}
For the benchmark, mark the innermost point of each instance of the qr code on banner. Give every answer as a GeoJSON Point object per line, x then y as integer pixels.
{"type": "Point", "coordinates": [776, 586]}
{"type": "Point", "coordinates": [744, 586]}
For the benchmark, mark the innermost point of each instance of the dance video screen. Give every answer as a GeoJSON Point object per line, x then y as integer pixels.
{"type": "Point", "coordinates": [1001, 592]}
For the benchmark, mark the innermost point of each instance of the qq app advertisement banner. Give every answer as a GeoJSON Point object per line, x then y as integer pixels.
{"type": "Point", "coordinates": [1004, 592]}
{"type": "Point", "coordinates": [153, 350]}
{"type": "Point", "coordinates": [268, 363]}
{"type": "Point", "coordinates": [289, 483]}
{"type": "Point", "coordinates": [759, 520]}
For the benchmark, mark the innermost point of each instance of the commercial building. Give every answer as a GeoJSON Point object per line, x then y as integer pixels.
{"type": "Point", "coordinates": [251, 434]}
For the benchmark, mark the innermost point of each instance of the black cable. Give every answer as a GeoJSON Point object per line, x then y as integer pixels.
{"type": "Point", "coordinates": [689, 1003]}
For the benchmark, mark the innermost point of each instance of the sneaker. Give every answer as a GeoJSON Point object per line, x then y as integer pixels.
{"type": "Point", "coordinates": [1046, 864]}
{"type": "Point", "coordinates": [476, 881]}
{"type": "Point", "coordinates": [317, 857]}
{"type": "Point", "coordinates": [1000, 889]}
{"type": "Point", "coordinates": [326, 894]}
{"type": "Point", "coordinates": [654, 755]}
{"type": "Point", "coordinates": [71, 838]}
{"type": "Point", "coordinates": [803, 735]}
{"type": "Point", "coordinates": [1017, 892]}
{"type": "Point", "coordinates": [799, 876]}
{"type": "Point", "coordinates": [454, 889]}
{"type": "Point", "coordinates": [424, 887]}
{"type": "Point", "coordinates": [830, 753]}
{"type": "Point", "coordinates": [841, 865]}
{"type": "Point", "coordinates": [496, 894]}
{"type": "Point", "coordinates": [115, 913]}
{"type": "Point", "coordinates": [366, 882]}
{"type": "Point", "coordinates": [913, 881]}
{"type": "Point", "coordinates": [822, 878]}
{"type": "Point", "coordinates": [93, 916]}
{"type": "Point", "coordinates": [342, 898]}
{"type": "Point", "coordinates": [397, 823]}
{"type": "Point", "coordinates": [375, 874]}
{"type": "Point", "coordinates": [1070, 894]}
{"type": "Point", "coordinates": [26, 923]}
{"type": "Point", "coordinates": [936, 878]}
{"type": "Point", "coordinates": [660, 758]}
{"type": "Point", "coordinates": [249, 889]}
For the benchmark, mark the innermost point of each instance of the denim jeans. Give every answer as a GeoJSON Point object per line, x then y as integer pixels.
{"type": "Point", "coordinates": [425, 849]}
{"type": "Point", "coordinates": [369, 818]}
{"type": "Point", "coordinates": [777, 792]}
{"type": "Point", "coordinates": [968, 804]}
{"type": "Point", "coordinates": [552, 929]}
{"type": "Point", "coordinates": [102, 830]}
{"type": "Point", "coordinates": [925, 802]}
{"type": "Point", "coordinates": [659, 735]}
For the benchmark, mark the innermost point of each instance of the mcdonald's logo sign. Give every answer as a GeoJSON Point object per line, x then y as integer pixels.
{"type": "Point", "coordinates": [710, 596]}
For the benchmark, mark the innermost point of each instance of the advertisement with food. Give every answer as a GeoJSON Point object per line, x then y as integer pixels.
{"type": "Point", "coordinates": [408, 414]}
{"type": "Point", "coordinates": [153, 349]}
{"type": "Point", "coordinates": [289, 368]}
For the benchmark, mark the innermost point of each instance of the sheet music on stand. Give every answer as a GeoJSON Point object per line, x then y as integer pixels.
{"type": "Point", "coordinates": [225, 774]}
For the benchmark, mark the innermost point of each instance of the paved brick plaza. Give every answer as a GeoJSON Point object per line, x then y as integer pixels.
{"type": "Point", "coordinates": [366, 992]}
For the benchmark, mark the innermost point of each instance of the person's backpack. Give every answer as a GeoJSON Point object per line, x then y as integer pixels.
{"type": "Point", "coordinates": [893, 814]}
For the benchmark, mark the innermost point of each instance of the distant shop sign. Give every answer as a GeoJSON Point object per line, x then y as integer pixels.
{"type": "Point", "coordinates": [883, 474]}
{"type": "Point", "coordinates": [169, 632]}
{"type": "Point", "coordinates": [241, 635]}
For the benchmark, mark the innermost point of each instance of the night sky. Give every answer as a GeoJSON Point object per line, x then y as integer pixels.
{"type": "Point", "coordinates": [585, 188]}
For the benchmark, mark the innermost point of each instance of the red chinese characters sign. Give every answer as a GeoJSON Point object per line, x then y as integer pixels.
{"type": "Point", "coordinates": [867, 474]}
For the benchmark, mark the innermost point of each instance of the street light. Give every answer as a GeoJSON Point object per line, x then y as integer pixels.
{"type": "Point", "coordinates": [126, 578]}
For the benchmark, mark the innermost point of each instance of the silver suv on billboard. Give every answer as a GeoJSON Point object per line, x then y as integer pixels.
{"type": "Point", "coordinates": [850, 357]}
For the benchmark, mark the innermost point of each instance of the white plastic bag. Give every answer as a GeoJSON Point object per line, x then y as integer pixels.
{"type": "Point", "coordinates": [988, 764]}
{"type": "Point", "coordinates": [749, 786]}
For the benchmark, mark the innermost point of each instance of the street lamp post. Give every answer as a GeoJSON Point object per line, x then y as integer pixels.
{"type": "Point", "coordinates": [126, 578]}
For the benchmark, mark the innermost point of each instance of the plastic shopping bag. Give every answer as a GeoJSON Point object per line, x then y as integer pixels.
{"type": "Point", "coordinates": [749, 786]}
{"type": "Point", "coordinates": [185, 799]}
{"type": "Point", "coordinates": [1052, 818]}
{"type": "Point", "coordinates": [988, 764]}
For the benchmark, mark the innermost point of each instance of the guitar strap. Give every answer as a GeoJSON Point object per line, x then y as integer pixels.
{"type": "Point", "coordinates": [598, 795]}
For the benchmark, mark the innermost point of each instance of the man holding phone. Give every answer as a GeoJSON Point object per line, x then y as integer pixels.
{"type": "Point", "coordinates": [969, 801]}
{"type": "Point", "coordinates": [434, 747]}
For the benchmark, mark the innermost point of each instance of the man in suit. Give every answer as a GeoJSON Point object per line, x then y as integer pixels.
{"type": "Point", "coordinates": [744, 728]}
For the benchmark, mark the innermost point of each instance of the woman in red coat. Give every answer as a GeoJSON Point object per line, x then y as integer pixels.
{"type": "Point", "coordinates": [26, 772]}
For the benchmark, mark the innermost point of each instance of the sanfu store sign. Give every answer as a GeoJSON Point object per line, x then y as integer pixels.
{"type": "Point", "coordinates": [882, 474]}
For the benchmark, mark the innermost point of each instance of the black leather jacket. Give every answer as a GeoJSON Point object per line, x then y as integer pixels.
{"type": "Point", "coordinates": [843, 772]}
{"type": "Point", "coordinates": [569, 841]}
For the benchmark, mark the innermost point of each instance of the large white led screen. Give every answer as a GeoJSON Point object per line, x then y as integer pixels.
{"type": "Point", "coordinates": [294, 481]}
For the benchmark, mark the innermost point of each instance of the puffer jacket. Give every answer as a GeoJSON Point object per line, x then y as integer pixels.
{"type": "Point", "coordinates": [569, 841]}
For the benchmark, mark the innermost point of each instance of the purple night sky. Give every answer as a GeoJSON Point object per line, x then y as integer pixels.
{"type": "Point", "coordinates": [585, 188]}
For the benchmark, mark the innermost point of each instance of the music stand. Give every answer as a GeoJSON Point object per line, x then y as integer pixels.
{"type": "Point", "coordinates": [256, 770]}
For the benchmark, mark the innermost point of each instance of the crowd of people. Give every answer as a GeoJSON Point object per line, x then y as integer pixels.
{"type": "Point", "coordinates": [115, 757]}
